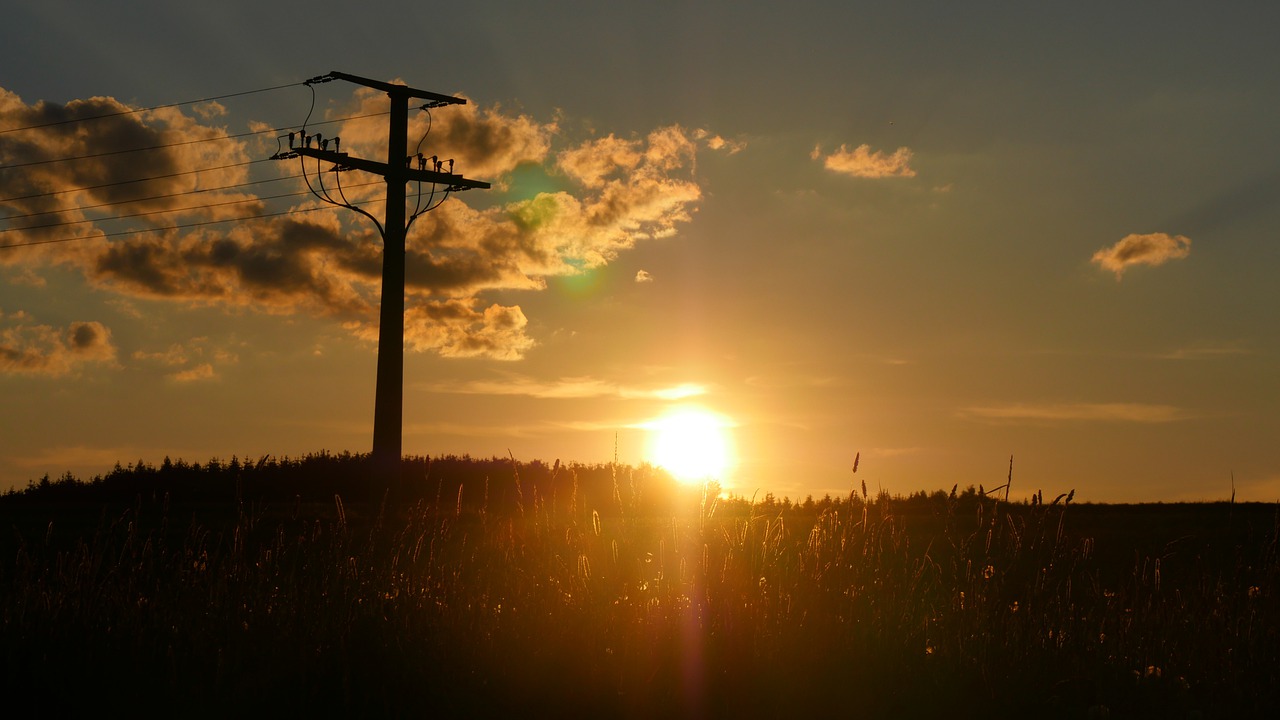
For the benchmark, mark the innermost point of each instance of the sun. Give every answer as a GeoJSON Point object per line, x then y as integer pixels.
{"type": "Point", "coordinates": [691, 443]}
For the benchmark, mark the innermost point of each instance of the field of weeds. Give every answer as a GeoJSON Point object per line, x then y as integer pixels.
{"type": "Point", "coordinates": [488, 587]}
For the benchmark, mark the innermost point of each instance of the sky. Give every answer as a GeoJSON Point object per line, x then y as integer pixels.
{"type": "Point", "coordinates": [934, 236]}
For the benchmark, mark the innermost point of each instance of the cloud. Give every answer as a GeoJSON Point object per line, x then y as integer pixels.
{"type": "Point", "coordinates": [29, 349]}
{"type": "Point", "coordinates": [483, 143]}
{"type": "Point", "coordinates": [1151, 249]}
{"type": "Point", "coordinates": [677, 392]}
{"type": "Point", "coordinates": [569, 388]}
{"type": "Point", "coordinates": [717, 142]}
{"type": "Point", "coordinates": [203, 371]}
{"type": "Point", "coordinates": [863, 162]}
{"type": "Point", "coordinates": [621, 191]}
{"type": "Point", "coordinates": [895, 452]}
{"type": "Point", "coordinates": [58, 174]}
{"type": "Point", "coordinates": [643, 276]}
{"type": "Point", "coordinates": [1204, 352]}
{"type": "Point", "coordinates": [1076, 412]}
{"type": "Point", "coordinates": [189, 361]}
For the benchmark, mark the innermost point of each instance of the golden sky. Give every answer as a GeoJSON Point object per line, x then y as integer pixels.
{"type": "Point", "coordinates": [936, 236]}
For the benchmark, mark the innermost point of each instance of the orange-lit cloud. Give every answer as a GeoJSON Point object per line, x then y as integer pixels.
{"type": "Point", "coordinates": [483, 144]}
{"type": "Point", "coordinates": [328, 263]}
{"type": "Point", "coordinates": [570, 387]}
{"type": "Point", "coordinates": [65, 172]}
{"type": "Point", "coordinates": [203, 371]}
{"type": "Point", "coordinates": [190, 362]}
{"type": "Point", "coordinates": [1077, 412]}
{"type": "Point", "coordinates": [643, 276]}
{"type": "Point", "coordinates": [1150, 249]}
{"type": "Point", "coordinates": [30, 349]}
{"type": "Point", "coordinates": [864, 162]}
{"type": "Point", "coordinates": [716, 142]}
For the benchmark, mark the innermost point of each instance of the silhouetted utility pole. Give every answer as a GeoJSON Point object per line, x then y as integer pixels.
{"type": "Point", "coordinates": [388, 410]}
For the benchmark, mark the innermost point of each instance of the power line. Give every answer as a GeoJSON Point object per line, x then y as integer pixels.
{"type": "Point", "coordinates": [150, 198]}
{"type": "Point", "coordinates": [230, 166]}
{"type": "Point", "coordinates": [130, 182]}
{"type": "Point", "coordinates": [147, 109]}
{"type": "Point", "coordinates": [149, 213]}
{"type": "Point", "coordinates": [178, 227]}
{"type": "Point", "coordinates": [176, 144]}
{"type": "Point", "coordinates": [189, 208]}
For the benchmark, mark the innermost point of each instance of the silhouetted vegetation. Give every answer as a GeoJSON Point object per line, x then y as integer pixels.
{"type": "Point", "coordinates": [474, 587]}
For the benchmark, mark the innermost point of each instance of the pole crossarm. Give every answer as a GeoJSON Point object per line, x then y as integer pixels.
{"type": "Point", "coordinates": [345, 161]}
{"type": "Point", "coordinates": [400, 90]}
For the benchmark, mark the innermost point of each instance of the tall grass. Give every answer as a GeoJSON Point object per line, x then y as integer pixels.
{"type": "Point", "coordinates": [635, 601]}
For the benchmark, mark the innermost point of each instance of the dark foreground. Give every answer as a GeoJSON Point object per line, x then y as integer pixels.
{"type": "Point", "coordinates": [478, 588]}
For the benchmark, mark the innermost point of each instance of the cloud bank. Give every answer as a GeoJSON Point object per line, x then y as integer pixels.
{"type": "Point", "coordinates": [1152, 249]}
{"type": "Point", "coordinates": [619, 191]}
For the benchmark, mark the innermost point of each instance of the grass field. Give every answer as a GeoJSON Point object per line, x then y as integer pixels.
{"type": "Point", "coordinates": [483, 587]}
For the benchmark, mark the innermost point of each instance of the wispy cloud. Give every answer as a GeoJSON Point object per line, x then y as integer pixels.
{"type": "Point", "coordinates": [784, 381]}
{"type": "Point", "coordinates": [1075, 412]}
{"type": "Point", "coordinates": [1150, 249]}
{"type": "Point", "coordinates": [624, 190]}
{"type": "Point", "coordinates": [643, 276]}
{"type": "Point", "coordinates": [1204, 352]}
{"type": "Point", "coordinates": [717, 142]}
{"type": "Point", "coordinates": [864, 162]}
{"type": "Point", "coordinates": [191, 361]}
{"type": "Point", "coordinates": [571, 387]}
{"type": "Point", "coordinates": [30, 349]}
{"type": "Point", "coordinates": [203, 371]}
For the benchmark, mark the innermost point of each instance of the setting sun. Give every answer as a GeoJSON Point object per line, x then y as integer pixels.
{"type": "Point", "coordinates": [691, 443]}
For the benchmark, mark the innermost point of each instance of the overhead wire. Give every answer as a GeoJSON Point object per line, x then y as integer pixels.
{"type": "Point", "coordinates": [352, 206]}
{"type": "Point", "coordinates": [155, 177]}
{"type": "Point", "coordinates": [133, 111]}
{"type": "Point", "coordinates": [418, 208]}
{"type": "Point", "coordinates": [183, 226]}
{"type": "Point", "coordinates": [417, 150]}
{"type": "Point", "coordinates": [150, 198]}
{"type": "Point", "coordinates": [130, 182]}
{"type": "Point", "coordinates": [177, 144]}
{"type": "Point", "coordinates": [326, 197]}
{"type": "Point", "coordinates": [149, 213]}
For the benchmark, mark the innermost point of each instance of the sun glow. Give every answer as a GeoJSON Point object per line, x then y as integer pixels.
{"type": "Point", "coordinates": [691, 443]}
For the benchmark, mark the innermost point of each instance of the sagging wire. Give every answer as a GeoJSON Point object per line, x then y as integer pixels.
{"type": "Point", "coordinates": [417, 151]}
{"type": "Point", "coordinates": [338, 173]}
{"type": "Point", "coordinates": [421, 207]}
{"type": "Point", "coordinates": [323, 193]}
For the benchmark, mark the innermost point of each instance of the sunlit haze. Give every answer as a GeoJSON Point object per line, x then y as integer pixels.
{"type": "Point", "coordinates": [935, 234]}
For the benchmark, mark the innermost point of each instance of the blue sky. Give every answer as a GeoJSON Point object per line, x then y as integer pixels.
{"type": "Point", "coordinates": [937, 235]}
